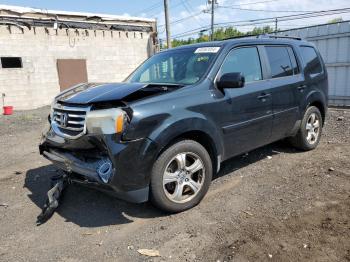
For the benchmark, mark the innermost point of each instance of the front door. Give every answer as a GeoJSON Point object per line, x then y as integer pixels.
{"type": "Point", "coordinates": [249, 109]}
{"type": "Point", "coordinates": [71, 72]}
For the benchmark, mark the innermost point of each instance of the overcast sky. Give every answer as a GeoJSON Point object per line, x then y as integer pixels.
{"type": "Point", "coordinates": [179, 9]}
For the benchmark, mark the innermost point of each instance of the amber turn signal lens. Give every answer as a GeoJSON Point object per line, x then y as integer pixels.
{"type": "Point", "coordinates": [119, 123]}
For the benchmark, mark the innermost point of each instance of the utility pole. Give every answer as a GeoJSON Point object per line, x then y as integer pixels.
{"type": "Point", "coordinates": [276, 21]}
{"type": "Point", "coordinates": [167, 25]}
{"type": "Point", "coordinates": [212, 19]}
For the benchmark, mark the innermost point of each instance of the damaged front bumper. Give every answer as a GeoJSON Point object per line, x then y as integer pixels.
{"type": "Point", "coordinates": [104, 162]}
{"type": "Point", "coordinates": [90, 169]}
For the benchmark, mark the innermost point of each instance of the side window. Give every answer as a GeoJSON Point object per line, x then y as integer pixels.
{"type": "Point", "coordinates": [293, 60]}
{"type": "Point", "coordinates": [279, 60]}
{"type": "Point", "coordinates": [245, 60]}
{"type": "Point", "coordinates": [312, 61]}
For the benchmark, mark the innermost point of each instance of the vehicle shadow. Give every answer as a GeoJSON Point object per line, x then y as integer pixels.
{"type": "Point", "coordinates": [238, 162]}
{"type": "Point", "coordinates": [87, 207]}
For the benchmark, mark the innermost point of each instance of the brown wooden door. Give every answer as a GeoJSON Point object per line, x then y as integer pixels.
{"type": "Point", "coordinates": [71, 72]}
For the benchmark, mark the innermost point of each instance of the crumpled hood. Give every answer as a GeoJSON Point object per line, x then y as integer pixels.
{"type": "Point", "coordinates": [92, 92]}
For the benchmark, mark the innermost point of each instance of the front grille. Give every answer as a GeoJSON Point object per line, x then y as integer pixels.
{"type": "Point", "coordinates": [69, 121]}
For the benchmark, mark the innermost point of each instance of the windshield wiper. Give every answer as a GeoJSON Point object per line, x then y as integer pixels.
{"type": "Point", "coordinates": [163, 86]}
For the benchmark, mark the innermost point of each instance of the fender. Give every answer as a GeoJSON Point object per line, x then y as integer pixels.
{"type": "Point", "coordinates": [312, 97]}
{"type": "Point", "coordinates": [173, 128]}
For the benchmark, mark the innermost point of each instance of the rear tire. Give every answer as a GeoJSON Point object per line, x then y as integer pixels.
{"type": "Point", "coordinates": [181, 176]}
{"type": "Point", "coordinates": [310, 130]}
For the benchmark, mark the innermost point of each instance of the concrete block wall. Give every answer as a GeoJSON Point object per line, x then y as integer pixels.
{"type": "Point", "coordinates": [110, 57]}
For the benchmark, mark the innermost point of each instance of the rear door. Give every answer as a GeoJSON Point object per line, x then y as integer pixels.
{"type": "Point", "coordinates": [285, 79]}
{"type": "Point", "coordinates": [314, 73]}
{"type": "Point", "coordinates": [248, 114]}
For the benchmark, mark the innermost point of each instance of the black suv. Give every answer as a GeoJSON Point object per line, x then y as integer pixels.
{"type": "Point", "coordinates": [163, 132]}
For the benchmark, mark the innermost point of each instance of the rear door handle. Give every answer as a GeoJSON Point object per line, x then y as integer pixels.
{"type": "Point", "coordinates": [263, 96]}
{"type": "Point", "coordinates": [301, 88]}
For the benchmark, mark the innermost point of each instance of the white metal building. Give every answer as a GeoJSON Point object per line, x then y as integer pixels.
{"type": "Point", "coordinates": [333, 42]}
{"type": "Point", "coordinates": [43, 52]}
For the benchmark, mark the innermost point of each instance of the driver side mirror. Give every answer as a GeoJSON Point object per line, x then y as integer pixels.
{"type": "Point", "coordinates": [231, 80]}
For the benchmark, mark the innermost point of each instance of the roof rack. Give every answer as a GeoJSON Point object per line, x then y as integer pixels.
{"type": "Point", "coordinates": [241, 36]}
{"type": "Point", "coordinates": [284, 36]}
{"type": "Point", "coordinates": [265, 36]}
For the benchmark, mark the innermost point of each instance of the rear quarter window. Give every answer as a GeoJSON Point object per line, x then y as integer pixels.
{"type": "Point", "coordinates": [312, 61]}
{"type": "Point", "coordinates": [293, 60]}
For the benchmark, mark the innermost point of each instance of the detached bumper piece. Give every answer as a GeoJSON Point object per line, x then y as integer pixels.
{"type": "Point", "coordinates": [58, 183]}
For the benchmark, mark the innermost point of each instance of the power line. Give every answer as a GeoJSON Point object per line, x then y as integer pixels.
{"type": "Point", "coordinates": [155, 12]}
{"type": "Point", "coordinates": [201, 12]}
{"type": "Point", "coordinates": [194, 15]}
{"type": "Point", "coordinates": [253, 3]}
{"type": "Point", "coordinates": [183, 19]}
{"type": "Point", "coordinates": [267, 20]}
{"type": "Point", "coordinates": [150, 8]}
{"type": "Point", "coordinates": [190, 6]}
{"type": "Point", "coordinates": [296, 16]}
{"type": "Point", "coordinates": [264, 10]}
{"type": "Point", "coordinates": [184, 3]}
{"type": "Point", "coordinates": [153, 8]}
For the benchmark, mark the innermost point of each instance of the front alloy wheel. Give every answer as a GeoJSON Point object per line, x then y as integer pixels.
{"type": "Point", "coordinates": [181, 176]}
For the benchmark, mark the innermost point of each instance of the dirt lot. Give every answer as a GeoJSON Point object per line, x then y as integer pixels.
{"type": "Point", "coordinates": [292, 207]}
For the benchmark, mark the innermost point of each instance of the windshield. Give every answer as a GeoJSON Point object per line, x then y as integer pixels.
{"type": "Point", "coordinates": [183, 66]}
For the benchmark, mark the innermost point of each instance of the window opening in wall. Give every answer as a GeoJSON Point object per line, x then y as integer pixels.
{"type": "Point", "coordinates": [11, 62]}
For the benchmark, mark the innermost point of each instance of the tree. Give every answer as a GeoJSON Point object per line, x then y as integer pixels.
{"type": "Point", "coordinates": [335, 20]}
{"type": "Point", "coordinates": [222, 33]}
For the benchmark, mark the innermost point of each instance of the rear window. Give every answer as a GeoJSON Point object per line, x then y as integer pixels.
{"type": "Point", "coordinates": [279, 60]}
{"type": "Point", "coordinates": [312, 61]}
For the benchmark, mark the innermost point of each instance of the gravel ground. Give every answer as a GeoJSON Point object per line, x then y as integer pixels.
{"type": "Point", "coordinates": [294, 206]}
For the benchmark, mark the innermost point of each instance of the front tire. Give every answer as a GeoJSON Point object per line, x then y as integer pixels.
{"type": "Point", "coordinates": [181, 176]}
{"type": "Point", "coordinates": [309, 134]}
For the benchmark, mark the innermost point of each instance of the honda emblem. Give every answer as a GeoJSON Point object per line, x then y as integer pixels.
{"type": "Point", "coordinates": [64, 119]}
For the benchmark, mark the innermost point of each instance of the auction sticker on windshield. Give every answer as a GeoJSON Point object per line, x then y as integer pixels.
{"type": "Point", "coordinates": [209, 49]}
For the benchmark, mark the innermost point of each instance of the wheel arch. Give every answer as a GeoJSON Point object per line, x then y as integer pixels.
{"type": "Point", "coordinates": [317, 99]}
{"type": "Point", "coordinates": [320, 107]}
{"type": "Point", "coordinates": [196, 129]}
{"type": "Point", "coordinates": [200, 137]}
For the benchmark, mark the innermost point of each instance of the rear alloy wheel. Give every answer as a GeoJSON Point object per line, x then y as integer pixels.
{"type": "Point", "coordinates": [181, 176]}
{"type": "Point", "coordinates": [310, 130]}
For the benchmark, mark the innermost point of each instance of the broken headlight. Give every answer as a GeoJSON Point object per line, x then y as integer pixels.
{"type": "Point", "coordinates": [106, 121]}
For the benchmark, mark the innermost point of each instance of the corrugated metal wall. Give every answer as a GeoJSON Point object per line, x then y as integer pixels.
{"type": "Point", "coordinates": [333, 42]}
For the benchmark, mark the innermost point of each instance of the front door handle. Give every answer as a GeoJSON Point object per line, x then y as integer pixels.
{"type": "Point", "coordinates": [301, 88]}
{"type": "Point", "coordinates": [263, 96]}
